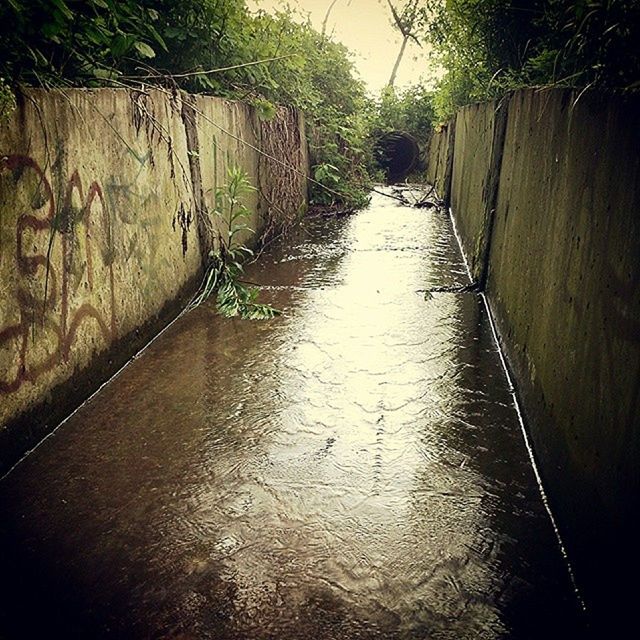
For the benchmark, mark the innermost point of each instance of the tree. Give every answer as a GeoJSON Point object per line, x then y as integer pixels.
{"type": "Point", "coordinates": [406, 21]}
{"type": "Point", "coordinates": [326, 17]}
{"type": "Point", "coordinates": [489, 47]}
{"type": "Point", "coordinates": [215, 47]}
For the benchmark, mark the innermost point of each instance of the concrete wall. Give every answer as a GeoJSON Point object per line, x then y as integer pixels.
{"type": "Point", "coordinates": [103, 228]}
{"type": "Point", "coordinates": [283, 138]}
{"type": "Point", "coordinates": [440, 159]}
{"type": "Point", "coordinates": [218, 151]}
{"type": "Point", "coordinates": [562, 260]}
{"type": "Point", "coordinates": [479, 140]}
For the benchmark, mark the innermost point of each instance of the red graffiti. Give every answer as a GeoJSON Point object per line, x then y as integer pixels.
{"type": "Point", "coordinates": [59, 310]}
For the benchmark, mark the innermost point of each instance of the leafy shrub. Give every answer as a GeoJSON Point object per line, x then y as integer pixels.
{"type": "Point", "coordinates": [223, 277]}
{"type": "Point", "coordinates": [488, 47]}
{"type": "Point", "coordinates": [44, 41]}
{"type": "Point", "coordinates": [207, 46]}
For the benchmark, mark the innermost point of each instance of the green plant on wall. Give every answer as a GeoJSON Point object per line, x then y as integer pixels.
{"type": "Point", "coordinates": [216, 47]}
{"type": "Point", "coordinates": [7, 100]}
{"type": "Point", "coordinates": [225, 270]}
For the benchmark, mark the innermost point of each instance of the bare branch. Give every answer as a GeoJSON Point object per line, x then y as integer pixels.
{"type": "Point", "coordinates": [326, 17]}
{"type": "Point", "coordinates": [396, 17]}
{"type": "Point", "coordinates": [405, 22]}
{"type": "Point", "coordinates": [209, 71]}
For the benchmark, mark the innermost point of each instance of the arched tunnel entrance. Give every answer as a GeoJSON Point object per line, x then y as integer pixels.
{"type": "Point", "coordinates": [397, 154]}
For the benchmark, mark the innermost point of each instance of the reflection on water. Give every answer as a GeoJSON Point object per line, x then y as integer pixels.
{"type": "Point", "coordinates": [352, 469]}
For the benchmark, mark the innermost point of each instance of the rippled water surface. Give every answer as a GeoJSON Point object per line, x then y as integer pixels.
{"type": "Point", "coordinates": [352, 469]}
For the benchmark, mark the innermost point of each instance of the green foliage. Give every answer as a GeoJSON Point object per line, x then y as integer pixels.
{"type": "Point", "coordinates": [224, 273]}
{"type": "Point", "coordinates": [410, 111]}
{"type": "Point", "coordinates": [7, 100]}
{"type": "Point", "coordinates": [327, 174]}
{"type": "Point", "coordinates": [265, 109]}
{"type": "Point", "coordinates": [204, 35]}
{"type": "Point", "coordinates": [488, 47]}
{"type": "Point", "coordinates": [316, 75]}
{"type": "Point", "coordinates": [205, 46]}
{"type": "Point", "coordinates": [42, 41]}
{"type": "Point", "coordinates": [587, 43]}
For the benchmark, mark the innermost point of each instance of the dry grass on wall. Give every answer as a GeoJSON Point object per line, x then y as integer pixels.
{"type": "Point", "coordinates": [282, 188]}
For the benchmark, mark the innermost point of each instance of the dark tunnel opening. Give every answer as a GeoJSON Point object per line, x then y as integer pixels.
{"type": "Point", "coordinates": [397, 154]}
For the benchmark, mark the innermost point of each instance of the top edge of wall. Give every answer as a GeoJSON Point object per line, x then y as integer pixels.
{"type": "Point", "coordinates": [40, 91]}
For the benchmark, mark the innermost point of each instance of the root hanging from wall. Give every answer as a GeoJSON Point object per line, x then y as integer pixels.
{"type": "Point", "coordinates": [280, 187]}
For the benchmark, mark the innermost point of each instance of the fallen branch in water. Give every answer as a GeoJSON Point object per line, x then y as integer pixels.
{"type": "Point", "coordinates": [400, 198]}
{"type": "Point", "coordinates": [472, 287]}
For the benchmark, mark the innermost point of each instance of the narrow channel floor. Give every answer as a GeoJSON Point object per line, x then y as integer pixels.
{"type": "Point", "coordinates": [353, 469]}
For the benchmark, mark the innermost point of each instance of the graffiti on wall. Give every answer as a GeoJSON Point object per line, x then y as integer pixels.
{"type": "Point", "coordinates": [61, 247]}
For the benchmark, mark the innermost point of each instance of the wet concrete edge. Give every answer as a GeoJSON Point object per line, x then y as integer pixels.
{"type": "Point", "coordinates": [519, 399]}
{"type": "Point", "coordinates": [22, 435]}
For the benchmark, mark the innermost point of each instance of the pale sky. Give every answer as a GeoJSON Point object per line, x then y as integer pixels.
{"type": "Point", "coordinates": [365, 27]}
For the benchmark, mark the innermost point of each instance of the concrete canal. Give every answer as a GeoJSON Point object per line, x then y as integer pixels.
{"type": "Point", "coordinates": [352, 469]}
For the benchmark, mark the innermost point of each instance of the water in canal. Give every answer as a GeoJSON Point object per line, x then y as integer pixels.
{"type": "Point", "coordinates": [353, 469]}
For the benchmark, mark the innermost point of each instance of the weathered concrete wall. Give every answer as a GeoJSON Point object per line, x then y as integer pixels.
{"type": "Point", "coordinates": [100, 236]}
{"type": "Point", "coordinates": [218, 152]}
{"type": "Point", "coordinates": [561, 228]}
{"type": "Point", "coordinates": [284, 140]}
{"type": "Point", "coordinates": [440, 160]}
{"type": "Point", "coordinates": [564, 276]}
{"type": "Point", "coordinates": [479, 142]}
